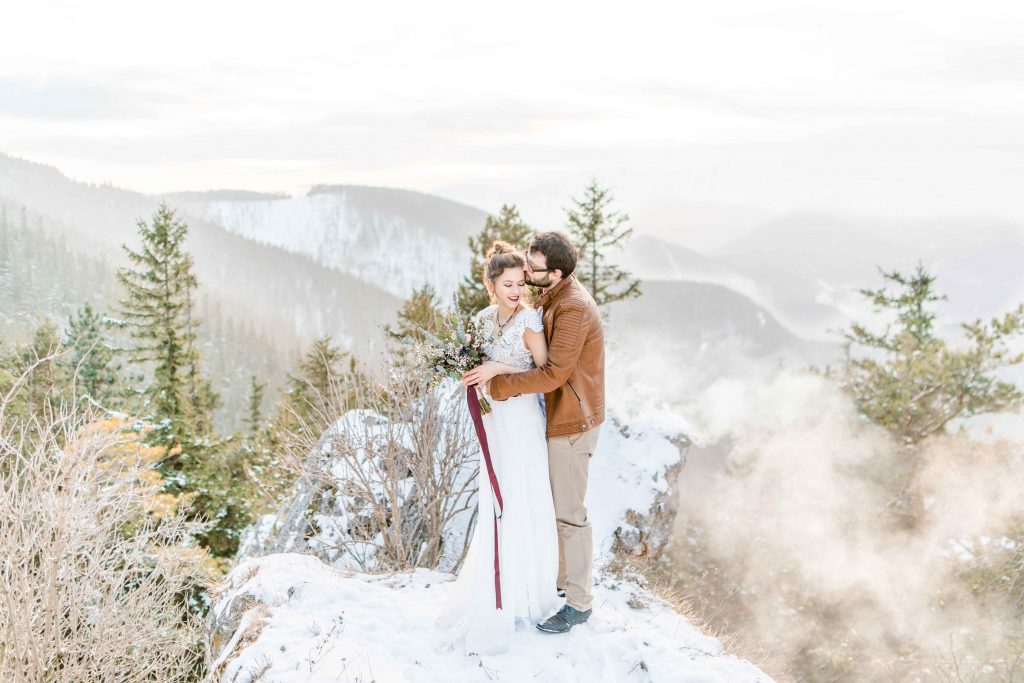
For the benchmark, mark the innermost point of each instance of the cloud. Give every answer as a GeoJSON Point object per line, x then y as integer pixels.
{"type": "Point", "coordinates": [55, 100]}
{"type": "Point", "coordinates": [799, 104]}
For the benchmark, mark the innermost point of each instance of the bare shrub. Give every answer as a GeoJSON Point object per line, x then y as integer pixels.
{"type": "Point", "coordinates": [387, 486]}
{"type": "Point", "coordinates": [93, 582]}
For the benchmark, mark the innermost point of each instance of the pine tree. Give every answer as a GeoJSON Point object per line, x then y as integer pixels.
{"type": "Point", "coordinates": [318, 392]}
{"type": "Point", "coordinates": [158, 311]}
{"type": "Point", "coordinates": [321, 367]}
{"type": "Point", "coordinates": [36, 366]}
{"type": "Point", "coordinates": [203, 403]}
{"type": "Point", "coordinates": [45, 384]}
{"type": "Point", "coordinates": [595, 230]}
{"type": "Point", "coordinates": [6, 261]}
{"type": "Point", "coordinates": [260, 480]}
{"type": "Point", "coordinates": [419, 312]}
{"type": "Point", "coordinates": [254, 419]}
{"type": "Point", "coordinates": [160, 315]}
{"type": "Point", "coordinates": [91, 361]}
{"type": "Point", "coordinates": [507, 226]}
{"type": "Point", "coordinates": [910, 381]}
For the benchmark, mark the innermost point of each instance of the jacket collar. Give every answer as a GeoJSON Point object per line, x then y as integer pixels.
{"type": "Point", "coordinates": [552, 294]}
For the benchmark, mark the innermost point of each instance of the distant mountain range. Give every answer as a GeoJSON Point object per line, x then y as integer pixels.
{"type": "Point", "coordinates": [296, 294]}
{"type": "Point", "coordinates": [395, 239]}
{"type": "Point", "coordinates": [806, 268]}
{"type": "Point", "coordinates": [339, 260]}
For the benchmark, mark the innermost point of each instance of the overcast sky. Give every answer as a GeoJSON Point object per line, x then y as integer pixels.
{"type": "Point", "coordinates": [896, 108]}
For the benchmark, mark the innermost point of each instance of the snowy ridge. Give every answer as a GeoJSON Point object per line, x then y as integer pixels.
{"type": "Point", "coordinates": [387, 240]}
{"type": "Point", "coordinates": [313, 623]}
{"type": "Point", "coordinates": [302, 620]}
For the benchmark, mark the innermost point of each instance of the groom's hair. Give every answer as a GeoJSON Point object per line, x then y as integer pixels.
{"type": "Point", "coordinates": [557, 249]}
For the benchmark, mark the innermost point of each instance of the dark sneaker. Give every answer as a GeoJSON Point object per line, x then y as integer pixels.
{"type": "Point", "coordinates": [564, 619]}
{"type": "Point", "coordinates": [561, 592]}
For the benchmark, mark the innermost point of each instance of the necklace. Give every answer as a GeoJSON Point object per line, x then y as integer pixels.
{"type": "Point", "coordinates": [501, 325]}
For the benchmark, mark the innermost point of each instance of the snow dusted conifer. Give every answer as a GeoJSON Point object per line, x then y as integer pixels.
{"type": "Point", "coordinates": [91, 362]}
{"type": "Point", "coordinates": [44, 384]}
{"type": "Point", "coordinates": [254, 418]}
{"type": "Point", "coordinates": [320, 390]}
{"type": "Point", "coordinates": [158, 311]}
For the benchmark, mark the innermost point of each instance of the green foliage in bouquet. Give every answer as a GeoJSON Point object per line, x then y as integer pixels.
{"type": "Point", "coordinates": [454, 347]}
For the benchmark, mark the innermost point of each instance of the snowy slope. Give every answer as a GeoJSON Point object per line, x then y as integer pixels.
{"type": "Point", "coordinates": [305, 621]}
{"type": "Point", "coordinates": [313, 623]}
{"type": "Point", "coordinates": [395, 239]}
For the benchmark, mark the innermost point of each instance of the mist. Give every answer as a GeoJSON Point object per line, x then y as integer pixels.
{"type": "Point", "coordinates": [787, 538]}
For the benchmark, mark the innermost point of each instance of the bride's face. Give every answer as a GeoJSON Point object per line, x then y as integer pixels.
{"type": "Point", "coordinates": [509, 287]}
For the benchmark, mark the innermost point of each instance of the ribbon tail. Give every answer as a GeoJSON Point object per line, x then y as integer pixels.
{"type": "Point", "coordinates": [474, 410]}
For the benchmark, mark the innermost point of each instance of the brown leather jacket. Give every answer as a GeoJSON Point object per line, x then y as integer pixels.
{"type": "Point", "coordinates": [572, 380]}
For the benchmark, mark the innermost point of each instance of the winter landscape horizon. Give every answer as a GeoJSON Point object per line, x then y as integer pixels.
{"type": "Point", "coordinates": [230, 237]}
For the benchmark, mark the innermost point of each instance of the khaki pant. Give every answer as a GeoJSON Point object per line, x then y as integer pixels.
{"type": "Point", "coordinates": [568, 465]}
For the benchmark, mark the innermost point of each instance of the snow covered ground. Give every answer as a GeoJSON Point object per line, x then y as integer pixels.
{"type": "Point", "coordinates": [313, 623]}
{"type": "Point", "coordinates": [305, 621]}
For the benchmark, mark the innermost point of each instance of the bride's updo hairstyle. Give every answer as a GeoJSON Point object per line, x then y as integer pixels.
{"type": "Point", "coordinates": [500, 257]}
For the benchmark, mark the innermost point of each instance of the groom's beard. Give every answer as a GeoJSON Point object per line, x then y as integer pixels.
{"type": "Point", "coordinates": [539, 285]}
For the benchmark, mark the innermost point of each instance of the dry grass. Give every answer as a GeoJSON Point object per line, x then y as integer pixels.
{"type": "Point", "coordinates": [649, 571]}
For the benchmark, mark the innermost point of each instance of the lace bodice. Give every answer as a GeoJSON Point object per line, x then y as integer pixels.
{"type": "Point", "coordinates": [509, 348]}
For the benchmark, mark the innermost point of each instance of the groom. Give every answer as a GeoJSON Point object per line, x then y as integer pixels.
{"type": "Point", "coordinates": [572, 382]}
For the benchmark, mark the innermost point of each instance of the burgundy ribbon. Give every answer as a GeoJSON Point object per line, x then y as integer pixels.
{"type": "Point", "coordinates": [474, 410]}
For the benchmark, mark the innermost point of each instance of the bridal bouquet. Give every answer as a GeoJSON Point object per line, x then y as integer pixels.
{"type": "Point", "coordinates": [455, 347]}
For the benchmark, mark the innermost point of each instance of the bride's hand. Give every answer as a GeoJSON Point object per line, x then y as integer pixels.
{"type": "Point", "coordinates": [482, 374]}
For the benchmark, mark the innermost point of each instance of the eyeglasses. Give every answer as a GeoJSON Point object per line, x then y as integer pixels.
{"type": "Point", "coordinates": [529, 264]}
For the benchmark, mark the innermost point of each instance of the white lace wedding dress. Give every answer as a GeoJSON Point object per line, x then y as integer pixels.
{"type": "Point", "coordinates": [527, 537]}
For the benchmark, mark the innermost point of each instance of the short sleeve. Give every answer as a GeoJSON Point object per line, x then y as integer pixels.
{"type": "Point", "coordinates": [479, 316]}
{"type": "Point", "coordinates": [533, 321]}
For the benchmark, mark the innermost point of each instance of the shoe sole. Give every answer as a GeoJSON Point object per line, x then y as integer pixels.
{"type": "Point", "coordinates": [545, 630]}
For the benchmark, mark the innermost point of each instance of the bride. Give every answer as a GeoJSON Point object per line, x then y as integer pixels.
{"type": "Point", "coordinates": [522, 574]}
